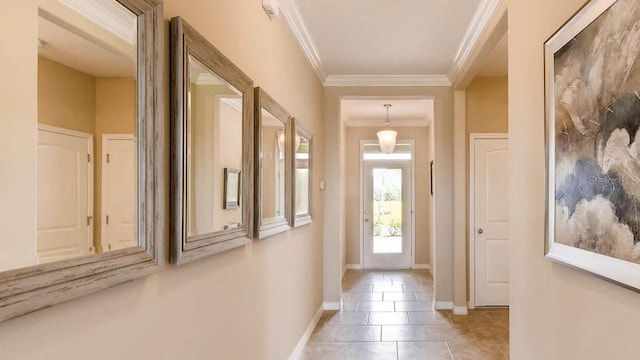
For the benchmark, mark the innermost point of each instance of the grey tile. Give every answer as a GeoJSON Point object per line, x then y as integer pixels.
{"type": "Point", "coordinates": [427, 318]}
{"type": "Point", "coordinates": [388, 318]}
{"type": "Point", "coordinates": [423, 351]}
{"type": "Point", "coordinates": [376, 281]}
{"type": "Point", "coordinates": [324, 351]}
{"type": "Point", "coordinates": [348, 318]}
{"type": "Point", "coordinates": [417, 288]}
{"type": "Point", "coordinates": [376, 306]}
{"type": "Point", "coordinates": [404, 333]}
{"type": "Point", "coordinates": [350, 306]}
{"type": "Point", "coordinates": [366, 296]}
{"type": "Point", "coordinates": [424, 296]}
{"type": "Point", "coordinates": [414, 306]}
{"type": "Point", "coordinates": [357, 333]}
{"type": "Point", "coordinates": [406, 281]}
{"type": "Point", "coordinates": [395, 296]}
{"type": "Point", "coordinates": [372, 351]}
{"type": "Point", "coordinates": [359, 288]}
{"type": "Point", "coordinates": [323, 334]}
{"type": "Point", "coordinates": [388, 288]}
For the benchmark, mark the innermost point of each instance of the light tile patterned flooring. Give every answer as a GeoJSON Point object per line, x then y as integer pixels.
{"type": "Point", "coordinates": [390, 315]}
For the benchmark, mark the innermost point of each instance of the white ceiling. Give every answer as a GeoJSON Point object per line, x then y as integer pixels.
{"type": "Point", "coordinates": [386, 37]}
{"type": "Point", "coordinates": [404, 111]}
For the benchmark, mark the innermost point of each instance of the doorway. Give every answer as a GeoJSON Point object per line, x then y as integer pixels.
{"type": "Point", "coordinates": [489, 220]}
{"type": "Point", "coordinates": [387, 207]}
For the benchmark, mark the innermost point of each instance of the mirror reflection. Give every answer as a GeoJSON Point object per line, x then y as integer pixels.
{"type": "Point", "coordinates": [86, 133]}
{"type": "Point", "coordinates": [302, 172]}
{"type": "Point", "coordinates": [272, 168]}
{"type": "Point", "coordinates": [214, 152]}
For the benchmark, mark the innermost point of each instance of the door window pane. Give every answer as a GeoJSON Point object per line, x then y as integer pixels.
{"type": "Point", "coordinates": [387, 211]}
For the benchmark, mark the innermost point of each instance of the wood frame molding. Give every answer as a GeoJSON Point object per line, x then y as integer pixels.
{"type": "Point", "coordinates": [262, 100]}
{"type": "Point", "coordinates": [304, 219]}
{"type": "Point", "coordinates": [186, 40]}
{"type": "Point", "coordinates": [29, 289]}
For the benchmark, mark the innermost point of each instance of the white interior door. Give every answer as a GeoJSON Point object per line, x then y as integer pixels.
{"type": "Point", "coordinates": [387, 217]}
{"type": "Point", "coordinates": [119, 192]}
{"type": "Point", "coordinates": [490, 221]}
{"type": "Point", "coordinates": [65, 194]}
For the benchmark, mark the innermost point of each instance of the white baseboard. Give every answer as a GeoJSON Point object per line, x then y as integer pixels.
{"type": "Point", "coordinates": [470, 305]}
{"type": "Point", "coordinates": [460, 310]}
{"type": "Point", "coordinates": [353, 267]}
{"type": "Point", "coordinates": [299, 349]}
{"type": "Point", "coordinates": [421, 267]}
{"type": "Point", "coordinates": [331, 306]}
{"type": "Point", "coordinates": [443, 305]}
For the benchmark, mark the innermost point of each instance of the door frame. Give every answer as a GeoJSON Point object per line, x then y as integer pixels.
{"type": "Point", "coordinates": [103, 161]}
{"type": "Point", "coordinates": [470, 225]}
{"type": "Point", "coordinates": [413, 196]}
{"type": "Point", "coordinates": [90, 174]}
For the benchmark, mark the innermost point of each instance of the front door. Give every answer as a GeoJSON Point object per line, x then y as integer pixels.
{"type": "Point", "coordinates": [387, 215]}
{"type": "Point", "coordinates": [490, 221]}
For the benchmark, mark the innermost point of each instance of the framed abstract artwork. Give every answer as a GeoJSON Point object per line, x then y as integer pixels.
{"type": "Point", "coordinates": [592, 91]}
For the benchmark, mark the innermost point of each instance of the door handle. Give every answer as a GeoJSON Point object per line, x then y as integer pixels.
{"type": "Point", "coordinates": [480, 231]}
{"type": "Point", "coordinates": [366, 220]}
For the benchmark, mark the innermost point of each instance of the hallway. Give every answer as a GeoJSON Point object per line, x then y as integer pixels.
{"type": "Point", "coordinates": [390, 315]}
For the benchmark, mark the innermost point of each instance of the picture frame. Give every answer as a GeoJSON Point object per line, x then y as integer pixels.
{"type": "Point", "coordinates": [592, 82]}
{"type": "Point", "coordinates": [231, 189]}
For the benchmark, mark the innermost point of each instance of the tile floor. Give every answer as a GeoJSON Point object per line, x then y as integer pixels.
{"type": "Point", "coordinates": [390, 315]}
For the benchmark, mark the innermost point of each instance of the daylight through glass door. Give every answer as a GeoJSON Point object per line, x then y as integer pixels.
{"type": "Point", "coordinates": [387, 211]}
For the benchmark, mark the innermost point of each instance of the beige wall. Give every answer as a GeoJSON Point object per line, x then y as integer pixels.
{"type": "Point", "coordinates": [335, 214]}
{"type": "Point", "coordinates": [352, 194]}
{"type": "Point", "coordinates": [556, 312]}
{"type": "Point", "coordinates": [250, 303]}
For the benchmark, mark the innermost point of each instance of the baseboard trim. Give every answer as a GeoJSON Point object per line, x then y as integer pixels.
{"type": "Point", "coordinates": [470, 305]}
{"type": "Point", "coordinates": [421, 267]}
{"type": "Point", "coordinates": [353, 267]}
{"type": "Point", "coordinates": [460, 310]}
{"type": "Point", "coordinates": [331, 306]}
{"type": "Point", "coordinates": [299, 349]}
{"type": "Point", "coordinates": [443, 305]}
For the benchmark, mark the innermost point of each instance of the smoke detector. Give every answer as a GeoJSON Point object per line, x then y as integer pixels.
{"type": "Point", "coordinates": [271, 8]}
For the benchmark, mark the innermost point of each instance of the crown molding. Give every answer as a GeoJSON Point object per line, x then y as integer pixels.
{"type": "Point", "coordinates": [476, 27]}
{"type": "Point", "coordinates": [387, 80]}
{"type": "Point", "coordinates": [299, 28]}
{"type": "Point", "coordinates": [108, 15]}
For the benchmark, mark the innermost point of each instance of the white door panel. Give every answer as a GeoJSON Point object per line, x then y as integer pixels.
{"type": "Point", "coordinates": [119, 192]}
{"type": "Point", "coordinates": [64, 195]}
{"type": "Point", "coordinates": [387, 215]}
{"type": "Point", "coordinates": [490, 222]}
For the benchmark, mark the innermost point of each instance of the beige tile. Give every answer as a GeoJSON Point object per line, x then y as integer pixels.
{"type": "Point", "coordinates": [395, 296]}
{"type": "Point", "coordinates": [376, 306]}
{"type": "Point", "coordinates": [475, 350]}
{"type": "Point", "coordinates": [474, 317]}
{"type": "Point", "coordinates": [448, 332]}
{"type": "Point", "coordinates": [427, 318]}
{"type": "Point", "coordinates": [424, 296]}
{"type": "Point", "coordinates": [377, 281]}
{"type": "Point", "coordinates": [423, 351]}
{"type": "Point", "coordinates": [388, 288]}
{"type": "Point", "coordinates": [388, 318]}
{"type": "Point", "coordinates": [358, 288]}
{"type": "Point", "coordinates": [406, 281]}
{"type": "Point", "coordinates": [350, 306]}
{"type": "Point", "coordinates": [324, 351]}
{"type": "Point", "coordinates": [490, 332]}
{"type": "Point", "coordinates": [372, 351]}
{"type": "Point", "coordinates": [414, 306]}
{"type": "Point", "coordinates": [403, 333]}
{"type": "Point", "coordinates": [357, 333]}
{"type": "Point", "coordinates": [417, 288]}
{"type": "Point", "coordinates": [348, 318]}
{"type": "Point", "coordinates": [323, 334]}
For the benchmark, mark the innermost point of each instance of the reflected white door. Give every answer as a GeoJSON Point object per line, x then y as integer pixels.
{"type": "Point", "coordinates": [387, 215]}
{"type": "Point", "coordinates": [119, 192]}
{"type": "Point", "coordinates": [490, 222]}
{"type": "Point", "coordinates": [65, 194]}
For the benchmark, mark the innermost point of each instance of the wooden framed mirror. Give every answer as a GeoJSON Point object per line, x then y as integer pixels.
{"type": "Point", "coordinates": [211, 142]}
{"type": "Point", "coordinates": [272, 204]}
{"type": "Point", "coordinates": [302, 148]}
{"type": "Point", "coordinates": [89, 211]}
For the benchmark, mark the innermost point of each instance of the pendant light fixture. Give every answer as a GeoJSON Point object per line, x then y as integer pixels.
{"type": "Point", "coordinates": [387, 137]}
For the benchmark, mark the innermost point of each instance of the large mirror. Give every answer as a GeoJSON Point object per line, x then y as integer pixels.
{"type": "Point", "coordinates": [96, 218]}
{"type": "Point", "coordinates": [273, 152]}
{"type": "Point", "coordinates": [212, 142]}
{"type": "Point", "coordinates": [302, 176]}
